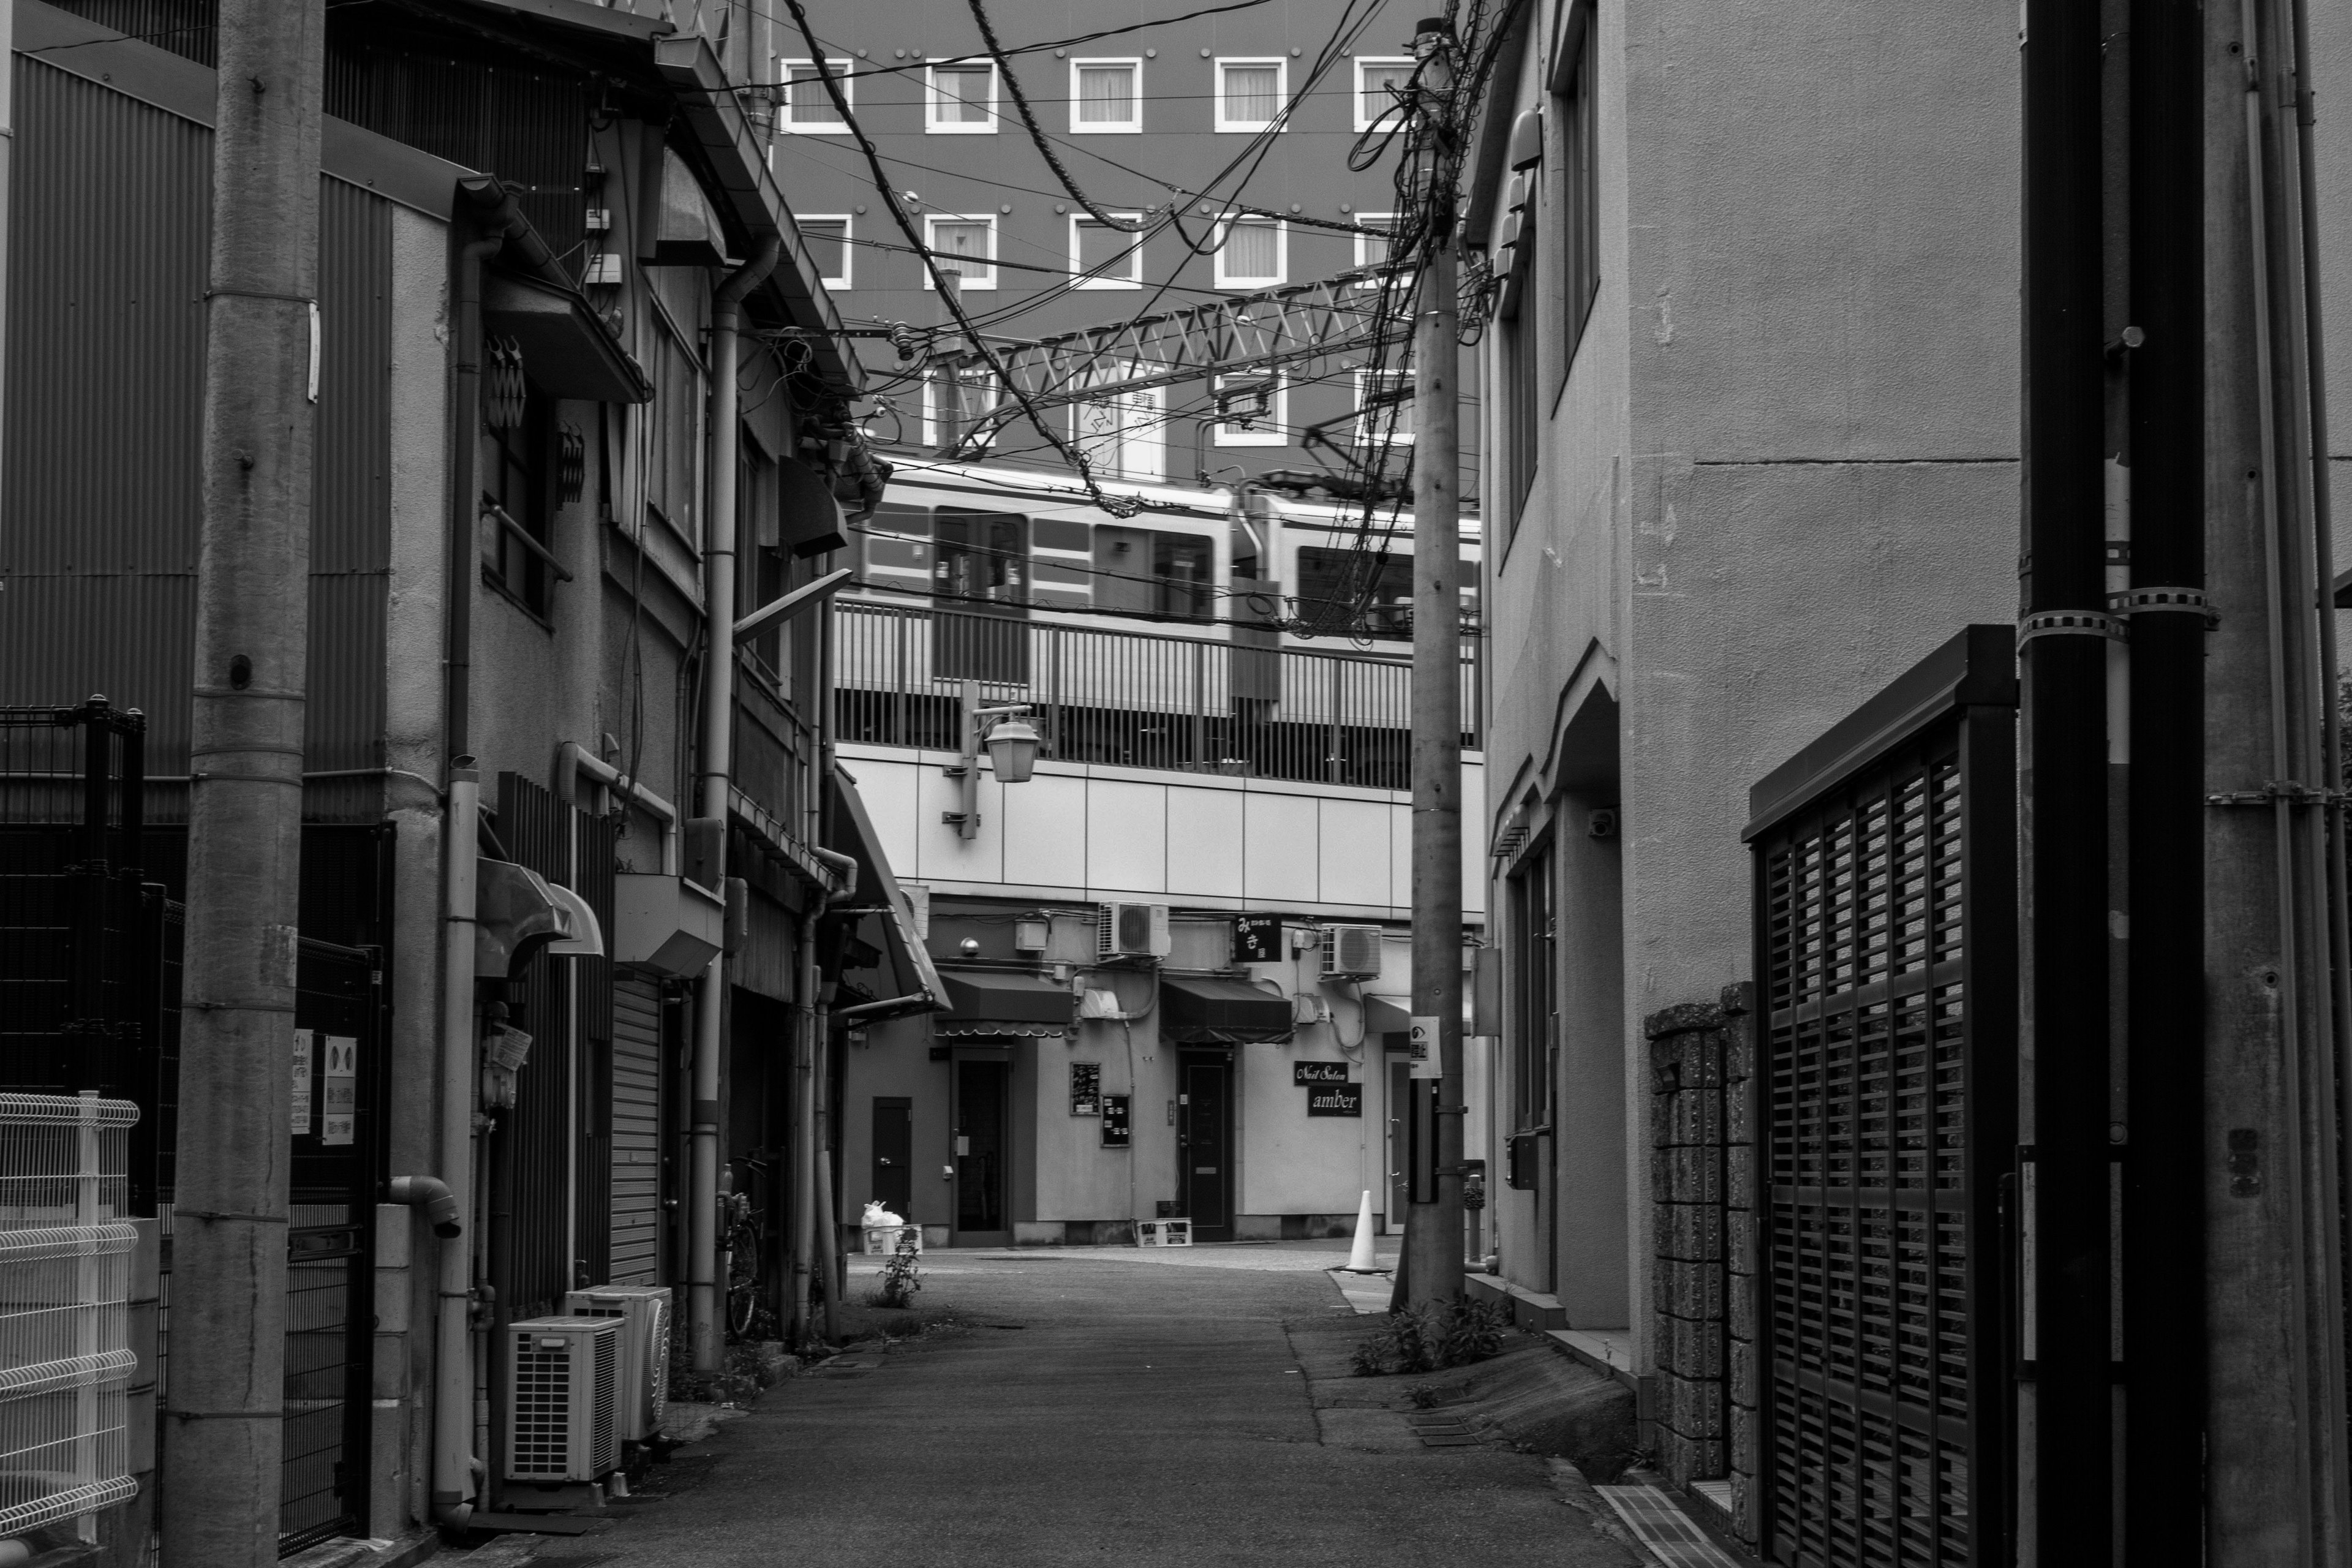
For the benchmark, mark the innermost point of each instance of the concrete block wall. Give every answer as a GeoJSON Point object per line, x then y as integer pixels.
{"type": "Point", "coordinates": [1746, 1295]}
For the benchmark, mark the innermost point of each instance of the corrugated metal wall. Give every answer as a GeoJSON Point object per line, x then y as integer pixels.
{"type": "Point", "coordinates": [100, 511]}
{"type": "Point", "coordinates": [537, 830]}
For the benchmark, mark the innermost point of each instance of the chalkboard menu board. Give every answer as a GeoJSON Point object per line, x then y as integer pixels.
{"type": "Point", "coordinates": [1114, 1115]}
{"type": "Point", "coordinates": [1086, 1089]}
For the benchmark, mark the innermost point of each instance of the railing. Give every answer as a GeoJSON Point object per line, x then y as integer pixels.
{"type": "Point", "coordinates": [1135, 699]}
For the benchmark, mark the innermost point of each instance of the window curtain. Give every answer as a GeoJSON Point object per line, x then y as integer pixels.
{"type": "Point", "coordinates": [1107, 95]}
{"type": "Point", "coordinates": [1250, 93]}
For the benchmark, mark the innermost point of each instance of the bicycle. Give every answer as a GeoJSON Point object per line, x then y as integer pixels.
{"type": "Point", "coordinates": [739, 1225]}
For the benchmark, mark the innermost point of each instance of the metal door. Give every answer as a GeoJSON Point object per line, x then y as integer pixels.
{"type": "Point", "coordinates": [1205, 1142]}
{"type": "Point", "coordinates": [981, 1147]}
{"type": "Point", "coordinates": [894, 1155]}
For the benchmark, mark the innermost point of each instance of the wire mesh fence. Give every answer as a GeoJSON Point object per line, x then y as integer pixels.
{"type": "Point", "coordinates": [66, 1360]}
{"type": "Point", "coordinates": [1135, 699]}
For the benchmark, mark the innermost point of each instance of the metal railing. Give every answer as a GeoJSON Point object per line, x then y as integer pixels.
{"type": "Point", "coordinates": [1135, 699]}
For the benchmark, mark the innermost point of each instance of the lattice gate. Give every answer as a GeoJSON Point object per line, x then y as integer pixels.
{"type": "Point", "coordinates": [1886, 936]}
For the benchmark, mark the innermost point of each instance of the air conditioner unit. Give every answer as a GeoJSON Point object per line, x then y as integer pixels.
{"type": "Point", "coordinates": [1351, 952]}
{"type": "Point", "coordinates": [644, 1314]}
{"type": "Point", "coordinates": [564, 1385]}
{"type": "Point", "coordinates": [1131, 931]}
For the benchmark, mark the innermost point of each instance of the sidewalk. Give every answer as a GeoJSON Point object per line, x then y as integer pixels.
{"type": "Point", "coordinates": [1110, 1405]}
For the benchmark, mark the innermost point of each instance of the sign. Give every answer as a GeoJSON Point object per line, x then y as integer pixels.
{"type": "Point", "coordinates": [1319, 1072]}
{"type": "Point", "coordinates": [1335, 1100]}
{"type": "Point", "coordinates": [339, 1115]}
{"type": "Point", "coordinates": [1114, 1115]}
{"type": "Point", "coordinates": [1424, 1047]}
{"type": "Point", "coordinates": [1257, 939]}
{"type": "Point", "coordinates": [301, 1083]}
{"type": "Point", "coordinates": [1086, 1089]}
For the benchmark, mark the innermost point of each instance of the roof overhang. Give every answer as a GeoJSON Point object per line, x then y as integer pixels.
{"type": "Point", "coordinates": [925, 990]}
{"type": "Point", "coordinates": [1216, 1010]}
{"type": "Point", "coordinates": [565, 348]}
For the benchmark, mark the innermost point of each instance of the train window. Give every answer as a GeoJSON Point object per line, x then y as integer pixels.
{"type": "Point", "coordinates": [895, 549]}
{"type": "Point", "coordinates": [981, 562]}
{"type": "Point", "coordinates": [1341, 590]}
{"type": "Point", "coordinates": [1056, 533]}
{"type": "Point", "coordinates": [1154, 572]}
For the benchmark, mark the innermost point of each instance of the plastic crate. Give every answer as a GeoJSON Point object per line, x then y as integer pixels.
{"type": "Point", "coordinates": [1163, 1233]}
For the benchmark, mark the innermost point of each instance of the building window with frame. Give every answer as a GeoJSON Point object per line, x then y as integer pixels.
{"type": "Point", "coordinates": [1576, 198]}
{"type": "Point", "coordinates": [1371, 249]}
{"type": "Point", "coordinates": [1252, 252]}
{"type": "Point", "coordinates": [1106, 97]}
{"type": "Point", "coordinates": [674, 432]}
{"type": "Point", "coordinates": [517, 503]}
{"type": "Point", "coordinates": [1378, 79]}
{"type": "Point", "coordinates": [1251, 93]}
{"type": "Point", "coordinates": [953, 400]}
{"type": "Point", "coordinates": [1534, 947]}
{"type": "Point", "coordinates": [1383, 407]}
{"type": "Point", "coordinates": [1252, 410]}
{"type": "Point", "coordinates": [827, 235]}
{"type": "Point", "coordinates": [1102, 257]}
{"type": "Point", "coordinates": [966, 246]}
{"type": "Point", "coordinates": [961, 99]}
{"type": "Point", "coordinates": [808, 109]}
{"type": "Point", "coordinates": [1519, 350]}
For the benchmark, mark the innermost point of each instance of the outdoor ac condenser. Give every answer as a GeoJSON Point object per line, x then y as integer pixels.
{"type": "Point", "coordinates": [644, 1314]}
{"type": "Point", "coordinates": [1132, 930]}
{"type": "Point", "coordinates": [563, 1379]}
{"type": "Point", "coordinates": [1351, 952]}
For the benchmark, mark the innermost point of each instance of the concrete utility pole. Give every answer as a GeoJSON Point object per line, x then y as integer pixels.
{"type": "Point", "coordinates": [1434, 1229]}
{"type": "Point", "coordinates": [223, 1431]}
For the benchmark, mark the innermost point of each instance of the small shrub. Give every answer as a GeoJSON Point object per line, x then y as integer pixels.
{"type": "Point", "coordinates": [1422, 1395]}
{"type": "Point", "coordinates": [901, 1276]}
{"type": "Point", "coordinates": [1431, 1338]}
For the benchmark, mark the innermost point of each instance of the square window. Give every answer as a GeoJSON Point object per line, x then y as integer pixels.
{"type": "Point", "coordinates": [1106, 96]}
{"type": "Point", "coordinates": [807, 106]}
{"type": "Point", "coordinates": [954, 400]}
{"type": "Point", "coordinates": [961, 98]}
{"type": "Point", "coordinates": [964, 244]}
{"type": "Point", "coordinates": [1105, 258]}
{"type": "Point", "coordinates": [1255, 411]}
{"type": "Point", "coordinates": [1372, 250]}
{"type": "Point", "coordinates": [1383, 407]}
{"type": "Point", "coordinates": [1250, 93]}
{"type": "Point", "coordinates": [1251, 252]}
{"type": "Point", "coordinates": [828, 236]}
{"type": "Point", "coordinates": [1379, 77]}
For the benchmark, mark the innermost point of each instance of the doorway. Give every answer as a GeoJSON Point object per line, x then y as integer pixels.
{"type": "Point", "coordinates": [1204, 1143]}
{"type": "Point", "coordinates": [982, 1140]}
{"type": "Point", "coordinates": [1399, 1086]}
{"type": "Point", "coordinates": [893, 1184]}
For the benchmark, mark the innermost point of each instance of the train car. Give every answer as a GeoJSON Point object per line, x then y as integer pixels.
{"type": "Point", "coordinates": [1241, 634]}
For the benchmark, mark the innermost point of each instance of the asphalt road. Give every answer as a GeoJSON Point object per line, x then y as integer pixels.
{"type": "Point", "coordinates": [1097, 1408]}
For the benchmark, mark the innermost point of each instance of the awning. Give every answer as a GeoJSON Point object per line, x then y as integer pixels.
{"type": "Point", "coordinates": [1210, 1010]}
{"type": "Point", "coordinates": [1389, 1017]}
{"type": "Point", "coordinates": [565, 348]}
{"type": "Point", "coordinates": [921, 989]}
{"type": "Point", "coordinates": [1004, 1002]}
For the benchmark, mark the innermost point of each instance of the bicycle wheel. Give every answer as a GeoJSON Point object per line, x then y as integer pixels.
{"type": "Point", "coordinates": [742, 1281]}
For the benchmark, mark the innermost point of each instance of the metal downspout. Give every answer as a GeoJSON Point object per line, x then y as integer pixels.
{"type": "Point", "coordinates": [704, 1326]}
{"type": "Point", "coordinates": [454, 1467]}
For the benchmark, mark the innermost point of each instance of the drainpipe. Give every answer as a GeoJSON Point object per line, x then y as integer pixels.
{"type": "Point", "coordinates": [454, 1464]}
{"type": "Point", "coordinates": [803, 1123]}
{"type": "Point", "coordinates": [827, 1204]}
{"type": "Point", "coordinates": [572, 760]}
{"type": "Point", "coordinates": [704, 1324]}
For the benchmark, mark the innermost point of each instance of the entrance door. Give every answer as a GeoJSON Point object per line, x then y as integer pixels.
{"type": "Point", "coordinates": [1399, 1081]}
{"type": "Point", "coordinates": [982, 1144]}
{"type": "Point", "coordinates": [894, 1155]}
{"type": "Point", "coordinates": [1205, 1142]}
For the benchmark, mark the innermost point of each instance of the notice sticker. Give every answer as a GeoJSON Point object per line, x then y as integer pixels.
{"type": "Point", "coordinates": [340, 1085]}
{"type": "Point", "coordinates": [1424, 1047]}
{"type": "Point", "coordinates": [301, 1083]}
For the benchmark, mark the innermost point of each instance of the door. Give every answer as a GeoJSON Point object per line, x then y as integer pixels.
{"type": "Point", "coordinates": [1400, 1079]}
{"type": "Point", "coordinates": [894, 1155]}
{"type": "Point", "coordinates": [1205, 1142]}
{"type": "Point", "coordinates": [979, 578]}
{"type": "Point", "coordinates": [982, 1146]}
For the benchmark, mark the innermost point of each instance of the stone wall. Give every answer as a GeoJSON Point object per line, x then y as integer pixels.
{"type": "Point", "coordinates": [1702, 1274]}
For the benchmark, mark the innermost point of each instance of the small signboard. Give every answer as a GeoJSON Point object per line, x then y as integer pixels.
{"type": "Point", "coordinates": [1257, 939]}
{"type": "Point", "coordinates": [1424, 1047]}
{"type": "Point", "coordinates": [301, 1083]}
{"type": "Point", "coordinates": [1114, 1115]}
{"type": "Point", "coordinates": [340, 1079]}
{"type": "Point", "coordinates": [1335, 1100]}
{"type": "Point", "coordinates": [1319, 1072]}
{"type": "Point", "coordinates": [1086, 1089]}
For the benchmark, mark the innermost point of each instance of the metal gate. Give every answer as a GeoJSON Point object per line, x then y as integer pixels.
{"type": "Point", "coordinates": [1886, 941]}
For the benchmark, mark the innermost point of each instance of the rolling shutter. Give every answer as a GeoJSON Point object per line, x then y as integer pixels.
{"type": "Point", "coordinates": [637, 1131]}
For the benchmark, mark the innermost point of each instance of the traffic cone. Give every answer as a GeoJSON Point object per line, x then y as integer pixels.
{"type": "Point", "coordinates": [1359, 1258]}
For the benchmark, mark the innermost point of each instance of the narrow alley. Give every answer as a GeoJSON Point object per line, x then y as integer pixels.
{"type": "Point", "coordinates": [1091, 1406]}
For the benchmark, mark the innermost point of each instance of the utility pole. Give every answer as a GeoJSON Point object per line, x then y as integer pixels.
{"type": "Point", "coordinates": [1436, 1108]}
{"type": "Point", "coordinates": [223, 1426]}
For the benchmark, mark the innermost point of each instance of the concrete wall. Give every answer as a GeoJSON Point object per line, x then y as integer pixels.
{"type": "Point", "coordinates": [1081, 831]}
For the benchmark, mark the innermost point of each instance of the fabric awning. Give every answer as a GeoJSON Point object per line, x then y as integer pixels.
{"type": "Point", "coordinates": [1212, 1010]}
{"type": "Point", "coordinates": [1004, 1002]}
{"type": "Point", "coordinates": [1391, 1018]}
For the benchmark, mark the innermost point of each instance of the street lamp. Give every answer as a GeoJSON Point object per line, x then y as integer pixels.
{"type": "Point", "coordinates": [1012, 745]}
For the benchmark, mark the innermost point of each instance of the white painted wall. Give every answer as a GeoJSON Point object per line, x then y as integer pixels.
{"type": "Point", "coordinates": [1081, 831]}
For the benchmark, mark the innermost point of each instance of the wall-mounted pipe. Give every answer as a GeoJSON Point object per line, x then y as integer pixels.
{"type": "Point", "coordinates": [454, 1468]}
{"type": "Point", "coordinates": [844, 870]}
{"type": "Point", "coordinates": [433, 1195]}
{"type": "Point", "coordinates": [572, 760]}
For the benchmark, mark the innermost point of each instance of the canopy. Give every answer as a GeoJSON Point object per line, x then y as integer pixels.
{"type": "Point", "coordinates": [878, 887]}
{"type": "Point", "coordinates": [1004, 1002]}
{"type": "Point", "coordinates": [1212, 1010]}
{"type": "Point", "coordinates": [1391, 1018]}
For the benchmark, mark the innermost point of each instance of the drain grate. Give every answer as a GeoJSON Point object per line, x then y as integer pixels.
{"type": "Point", "coordinates": [1660, 1524]}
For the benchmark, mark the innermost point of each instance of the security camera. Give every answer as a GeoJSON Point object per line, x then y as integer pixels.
{"type": "Point", "coordinates": [1602, 824]}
